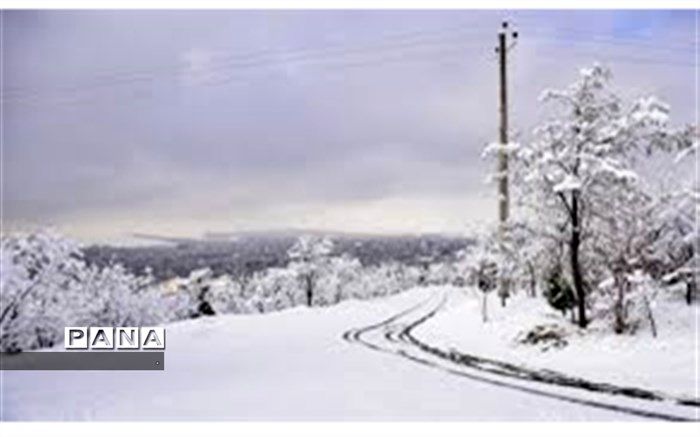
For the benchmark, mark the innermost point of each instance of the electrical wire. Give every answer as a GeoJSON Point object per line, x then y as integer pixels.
{"type": "Point", "coordinates": [235, 64]}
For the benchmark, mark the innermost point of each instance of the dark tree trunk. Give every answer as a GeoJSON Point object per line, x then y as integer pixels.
{"type": "Point", "coordinates": [533, 280]}
{"type": "Point", "coordinates": [309, 291]}
{"type": "Point", "coordinates": [619, 308]}
{"type": "Point", "coordinates": [574, 246]}
{"type": "Point", "coordinates": [690, 288]}
{"type": "Point", "coordinates": [504, 292]}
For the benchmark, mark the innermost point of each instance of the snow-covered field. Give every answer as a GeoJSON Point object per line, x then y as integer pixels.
{"type": "Point", "coordinates": [295, 365]}
{"type": "Point", "coordinates": [667, 363]}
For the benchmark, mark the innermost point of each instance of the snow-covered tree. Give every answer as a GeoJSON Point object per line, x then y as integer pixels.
{"type": "Point", "coordinates": [273, 290]}
{"type": "Point", "coordinates": [309, 259]}
{"type": "Point", "coordinates": [524, 254]}
{"type": "Point", "coordinates": [482, 261]}
{"type": "Point", "coordinates": [587, 151]}
{"type": "Point", "coordinates": [115, 297]}
{"type": "Point", "coordinates": [677, 235]}
{"type": "Point", "coordinates": [41, 274]}
{"type": "Point", "coordinates": [47, 285]}
{"type": "Point", "coordinates": [340, 280]}
{"type": "Point", "coordinates": [386, 279]}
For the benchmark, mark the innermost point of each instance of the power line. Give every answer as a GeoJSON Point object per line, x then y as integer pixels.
{"type": "Point", "coordinates": [641, 60]}
{"type": "Point", "coordinates": [456, 52]}
{"type": "Point", "coordinates": [408, 42]}
{"type": "Point", "coordinates": [538, 35]}
{"type": "Point", "coordinates": [302, 59]}
{"type": "Point", "coordinates": [651, 41]}
{"type": "Point", "coordinates": [260, 58]}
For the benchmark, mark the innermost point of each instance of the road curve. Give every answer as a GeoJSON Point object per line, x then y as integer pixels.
{"type": "Point", "coordinates": [395, 335]}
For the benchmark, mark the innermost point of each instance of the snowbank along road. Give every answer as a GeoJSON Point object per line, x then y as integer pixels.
{"type": "Point", "coordinates": [294, 365]}
{"type": "Point", "coordinates": [395, 335]}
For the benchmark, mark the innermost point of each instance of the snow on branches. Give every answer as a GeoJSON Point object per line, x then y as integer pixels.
{"type": "Point", "coordinates": [47, 285]}
{"type": "Point", "coordinates": [582, 184]}
{"type": "Point", "coordinates": [309, 259]}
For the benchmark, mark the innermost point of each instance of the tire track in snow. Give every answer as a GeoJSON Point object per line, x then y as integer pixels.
{"type": "Point", "coordinates": [394, 336]}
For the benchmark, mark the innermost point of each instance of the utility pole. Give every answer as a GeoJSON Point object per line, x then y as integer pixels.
{"type": "Point", "coordinates": [503, 196]}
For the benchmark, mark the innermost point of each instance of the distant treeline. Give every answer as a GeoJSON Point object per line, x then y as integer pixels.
{"type": "Point", "coordinates": [247, 254]}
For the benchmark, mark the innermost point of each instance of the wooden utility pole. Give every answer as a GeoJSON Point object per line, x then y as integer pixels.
{"type": "Point", "coordinates": [503, 196]}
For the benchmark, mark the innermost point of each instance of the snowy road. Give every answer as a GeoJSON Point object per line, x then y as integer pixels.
{"type": "Point", "coordinates": [294, 365]}
{"type": "Point", "coordinates": [396, 336]}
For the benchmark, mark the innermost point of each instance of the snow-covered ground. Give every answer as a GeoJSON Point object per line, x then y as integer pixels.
{"type": "Point", "coordinates": [295, 365]}
{"type": "Point", "coordinates": [667, 363]}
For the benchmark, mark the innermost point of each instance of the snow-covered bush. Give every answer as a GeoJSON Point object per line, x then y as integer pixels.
{"type": "Point", "coordinates": [385, 280]}
{"type": "Point", "coordinates": [558, 292]}
{"type": "Point", "coordinates": [633, 299]}
{"type": "Point", "coordinates": [331, 280]}
{"type": "Point", "coordinates": [480, 263]}
{"type": "Point", "coordinates": [339, 280]}
{"type": "Point", "coordinates": [41, 276]}
{"type": "Point", "coordinates": [442, 273]}
{"type": "Point", "coordinates": [114, 297]}
{"type": "Point", "coordinates": [273, 290]}
{"type": "Point", "coordinates": [47, 285]}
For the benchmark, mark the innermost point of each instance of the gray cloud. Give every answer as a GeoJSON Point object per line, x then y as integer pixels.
{"type": "Point", "coordinates": [190, 121]}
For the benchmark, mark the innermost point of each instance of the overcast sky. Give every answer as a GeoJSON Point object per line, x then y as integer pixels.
{"type": "Point", "coordinates": [182, 122]}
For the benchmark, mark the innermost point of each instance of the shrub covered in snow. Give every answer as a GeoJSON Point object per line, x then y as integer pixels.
{"type": "Point", "coordinates": [311, 277]}
{"type": "Point", "coordinates": [41, 275]}
{"type": "Point", "coordinates": [46, 285]}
